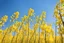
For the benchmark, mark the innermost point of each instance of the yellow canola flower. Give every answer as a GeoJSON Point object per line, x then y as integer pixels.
{"type": "Point", "coordinates": [58, 22]}
{"type": "Point", "coordinates": [40, 18]}
{"type": "Point", "coordinates": [62, 15]}
{"type": "Point", "coordinates": [37, 19]}
{"type": "Point", "coordinates": [44, 14]}
{"type": "Point", "coordinates": [10, 35]}
{"type": "Point", "coordinates": [4, 18]}
{"type": "Point", "coordinates": [48, 30]}
{"type": "Point", "coordinates": [36, 26]}
{"type": "Point", "coordinates": [30, 12]}
{"type": "Point", "coordinates": [25, 18]}
{"type": "Point", "coordinates": [43, 27]}
{"type": "Point", "coordinates": [62, 30]}
{"type": "Point", "coordinates": [1, 30]}
{"type": "Point", "coordinates": [13, 28]}
{"type": "Point", "coordinates": [61, 1]}
{"type": "Point", "coordinates": [56, 13]}
{"type": "Point", "coordinates": [62, 11]}
{"type": "Point", "coordinates": [1, 23]}
{"type": "Point", "coordinates": [51, 39]}
{"type": "Point", "coordinates": [16, 14]}
{"type": "Point", "coordinates": [25, 27]}
{"type": "Point", "coordinates": [17, 24]}
{"type": "Point", "coordinates": [57, 17]}
{"type": "Point", "coordinates": [57, 7]}
{"type": "Point", "coordinates": [62, 5]}
{"type": "Point", "coordinates": [49, 27]}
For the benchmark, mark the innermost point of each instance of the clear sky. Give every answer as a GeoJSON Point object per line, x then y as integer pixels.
{"type": "Point", "coordinates": [8, 7]}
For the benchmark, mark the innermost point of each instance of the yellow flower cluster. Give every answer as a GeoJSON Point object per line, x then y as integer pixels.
{"type": "Point", "coordinates": [62, 1]}
{"type": "Point", "coordinates": [30, 12]}
{"type": "Point", "coordinates": [3, 20]}
{"type": "Point", "coordinates": [14, 16]}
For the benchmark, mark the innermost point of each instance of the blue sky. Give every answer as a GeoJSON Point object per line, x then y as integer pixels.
{"type": "Point", "coordinates": [8, 7]}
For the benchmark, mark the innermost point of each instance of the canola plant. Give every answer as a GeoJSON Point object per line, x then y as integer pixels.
{"type": "Point", "coordinates": [41, 31]}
